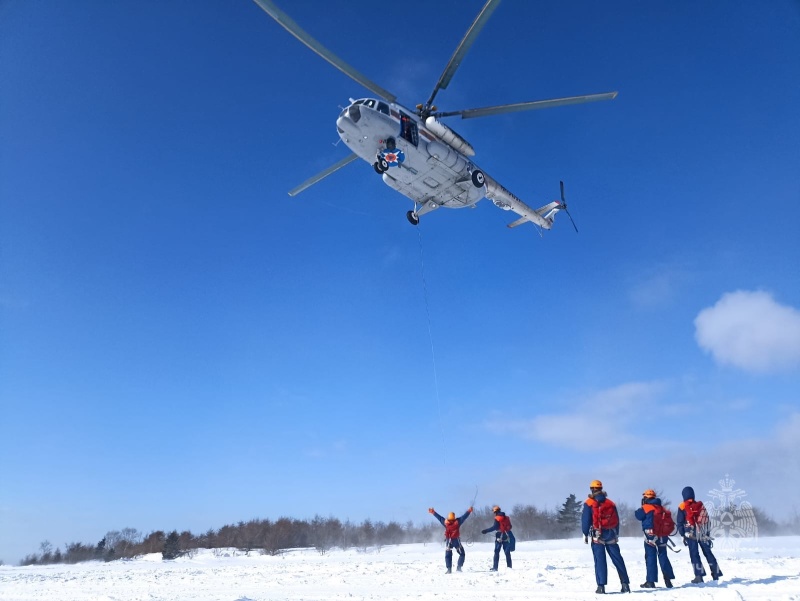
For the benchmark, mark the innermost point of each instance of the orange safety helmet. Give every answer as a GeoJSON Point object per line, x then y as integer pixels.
{"type": "Point", "coordinates": [451, 516]}
{"type": "Point", "coordinates": [595, 484]}
{"type": "Point", "coordinates": [649, 494]}
{"type": "Point", "coordinates": [496, 508]}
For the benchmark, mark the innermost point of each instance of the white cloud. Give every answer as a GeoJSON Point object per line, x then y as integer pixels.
{"type": "Point", "coordinates": [751, 331]}
{"type": "Point", "coordinates": [658, 289]}
{"type": "Point", "coordinates": [584, 428]}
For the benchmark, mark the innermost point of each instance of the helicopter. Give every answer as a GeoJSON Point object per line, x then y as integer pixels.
{"type": "Point", "coordinates": [412, 150]}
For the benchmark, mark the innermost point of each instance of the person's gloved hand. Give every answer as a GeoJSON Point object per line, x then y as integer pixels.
{"type": "Point", "coordinates": [586, 539]}
{"type": "Point", "coordinates": [430, 510]}
{"type": "Point", "coordinates": [469, 510]}
{"type": "Point", "coordinates": [484, 532]}
{"type": "Point", "coordinates": [685, 542]}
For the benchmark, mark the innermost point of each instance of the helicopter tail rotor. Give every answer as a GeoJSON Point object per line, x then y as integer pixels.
{"type": "Point", "coordinates": [564, 207]}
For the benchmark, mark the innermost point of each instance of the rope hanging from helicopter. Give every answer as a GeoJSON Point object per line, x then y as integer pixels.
{"type": "Point", "coordinates": [433, 351]}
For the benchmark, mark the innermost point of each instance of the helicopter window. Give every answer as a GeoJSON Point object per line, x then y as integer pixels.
{"type": "Point", "coordinates": [354, 112]}
{"type": "Point", "coordinates": [408, 129]}
{"type": "Point", "coordinates": [370, 103]}
{"type": "Point", "coordinates": [383, 107]}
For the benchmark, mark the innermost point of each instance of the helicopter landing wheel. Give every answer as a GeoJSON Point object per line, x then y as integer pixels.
{"type": "Point", "coordinates": [377, 167]}
{"type": "Point", "coordinates": [478, 178]}
{"type": "Point", "coordinates": [383, 163]}
{"type": "Point", "coordinates": [412, 218]}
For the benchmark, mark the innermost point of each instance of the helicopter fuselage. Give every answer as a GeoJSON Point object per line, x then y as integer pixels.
{"type": "Point", "coordinates": [432, 164]}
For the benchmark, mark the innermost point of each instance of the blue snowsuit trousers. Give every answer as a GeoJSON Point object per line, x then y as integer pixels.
{"type": "Point", "coordinates": [600, 565]}
{"type": "Point", "coordinates": [501, 542]}
{"type": "Point", "coordinates": [697, 565]}
{"type": "Point", "coordinates": [655, 555]}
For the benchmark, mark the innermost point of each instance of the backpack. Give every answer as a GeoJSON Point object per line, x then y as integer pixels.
{"type": "Point", "coordinates": [696, 514]}
{"type": "Point", "coordinates": [604, 516]}
{"type": "Point", "coordinates": [697, 522]}
{"type": "Point", "coordinates": [663, 524]}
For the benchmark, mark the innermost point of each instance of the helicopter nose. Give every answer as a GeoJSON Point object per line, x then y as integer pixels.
{"type": "Point", "coordinates": [345, 124]}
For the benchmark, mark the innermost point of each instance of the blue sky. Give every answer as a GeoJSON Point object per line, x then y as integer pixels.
{"type": "Point", "coordinates": [185, 346]}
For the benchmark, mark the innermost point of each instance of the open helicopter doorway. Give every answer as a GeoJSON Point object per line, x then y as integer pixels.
{"type": "Point", "coordinates": [408, 129]}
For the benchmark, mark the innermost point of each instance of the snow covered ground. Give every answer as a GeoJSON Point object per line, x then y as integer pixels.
{"type": "Point", "coordinates": [763, 568]}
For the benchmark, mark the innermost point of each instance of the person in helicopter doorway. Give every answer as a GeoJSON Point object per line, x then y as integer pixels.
{"type": "Point", "coordinates": [657, 525]}
{"type": "Point", "coordinates": [503, 538]}
{"type": "Point", "coordinates": [452, 537]}
{"type": "Point", "coordinates": [693, 525]}
{"type": "Point", "coordinates": [600, 519]}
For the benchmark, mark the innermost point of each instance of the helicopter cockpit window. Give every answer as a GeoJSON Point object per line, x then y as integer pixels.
{"type": "Point", "coordinates": [369, 103]}
{"type": "Point", "coordinates": [354, 112]}
{"type": "Point", "coordinates": [383, 108]}
{"type": "Point", "coordinates": [408, 129]}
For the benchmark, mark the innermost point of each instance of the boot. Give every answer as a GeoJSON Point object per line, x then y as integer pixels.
{"type": "Point", "coordinates": [458, 569]}
{"type": "Point", "coordinates": [667, 582]}
{"type": "Point", "coordinates": [449, 571]}
{"type": "Point", "coordinates": [626, 588]}
{"type": "Point", "coordinates": [648, 584]}
{"type": "Point", "coordinates": [697, 580]}
{"type": "Point", "coordinates": [601, 589]}
{"type": "Point", "coordinates": [715, 574]}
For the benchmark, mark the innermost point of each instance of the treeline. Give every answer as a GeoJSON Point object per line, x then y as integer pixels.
{"type": "Point", "coordinates": [323, 534]}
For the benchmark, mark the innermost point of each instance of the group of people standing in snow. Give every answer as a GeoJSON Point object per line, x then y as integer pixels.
{"type": "Point", "coordinates": [600, 524]}
{"type": "Point", "coordinates": [503, 539]}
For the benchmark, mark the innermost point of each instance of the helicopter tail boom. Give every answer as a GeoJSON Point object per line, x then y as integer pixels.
{"type": "Point", "coordinates": [543, 216]}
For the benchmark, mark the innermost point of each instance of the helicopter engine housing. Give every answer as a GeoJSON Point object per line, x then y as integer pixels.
{"type": "Point", "coordinates": [447, 156]}
{"type": "Point", "coordinates": [448, 136]}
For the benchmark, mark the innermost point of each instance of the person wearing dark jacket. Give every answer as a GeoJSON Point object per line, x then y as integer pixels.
{"type": "Point", "coordinates": [600, 519]}
{"type": "Point", "coordinates": [452, 537]}
{"type": "Point", "coordinates": [692, 522]}
{"type": "Point", "coordinates": [655, 547]}
{"type": "Point", "coordinates": [502, 537]}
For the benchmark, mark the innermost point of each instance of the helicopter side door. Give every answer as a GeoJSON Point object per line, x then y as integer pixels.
{"type": "Point", "coordinates": [408, 129]}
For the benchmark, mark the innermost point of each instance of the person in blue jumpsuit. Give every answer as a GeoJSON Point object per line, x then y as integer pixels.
{"type": "Point", "coordinates": [695, 535]}
{"type": "Point", "coordinates": [655, 547]}
{"type": "Point", "coordinates": [600, 520]}
{"type": "Point", "coordinates": [452, 537]}
{"type": "Point", "coordinates": [503, 537]}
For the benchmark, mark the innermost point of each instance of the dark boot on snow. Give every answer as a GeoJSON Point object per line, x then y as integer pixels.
{"type": "Point", "coordinates": [601, 589]}
{"type": "Point", "coordinates": [667, 582]}
{"type": "Point", "coordinates": [648, 584]}
{"type": "Point", "coordinates": [697, 580]}
{"type": "Point", "coordinates": [626, 588]}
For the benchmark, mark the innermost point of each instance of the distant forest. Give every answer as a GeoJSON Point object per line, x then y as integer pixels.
{"type": "Point", "coordinates": [324, 534]}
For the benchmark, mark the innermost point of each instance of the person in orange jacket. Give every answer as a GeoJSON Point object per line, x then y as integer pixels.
{"type": "Point", "coordinates": [655, 543]}
{"type": "Point", "coordinates": [600, 521]}
{"type": "Point", "coordinates": [693, 526]}
{"type": "Point", "coordinates": [503, 538]}
{"type": "Point", "coordinates": [452, 537]}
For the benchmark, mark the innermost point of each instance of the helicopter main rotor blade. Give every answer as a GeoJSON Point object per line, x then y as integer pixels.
{"type": "Point", "coordinates": [287, 23]}
{"type": "Point", "coordinates": [527, 106]}
{"type": "Point", "coordinates": [463, 47]}
{"type": "Point", "coordinates": [323, 174]}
